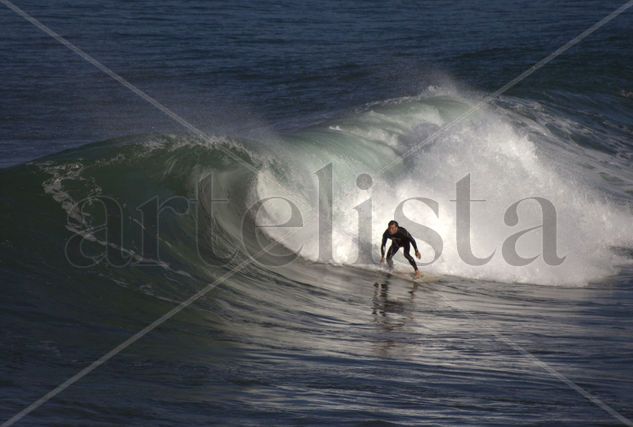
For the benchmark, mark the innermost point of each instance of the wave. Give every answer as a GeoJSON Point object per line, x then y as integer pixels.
{"type": "Point", "coordinates": [508, 151]}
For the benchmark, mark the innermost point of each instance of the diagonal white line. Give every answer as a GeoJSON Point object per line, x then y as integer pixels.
{"type": "Point", "coordinates": [472, 110]}
{"type": "Point", "coordinates": [546, 367]}
{"type": "Point", "coordinates": [107, 356]}
{"type": "Point", "coordinates": [88, 58]}
{"type": "Point", "coordinates": [595, 400]}
{"type": "Point", "coordinates": [119, 348]}
{"type": "Point", "coordinates": [137, 336]}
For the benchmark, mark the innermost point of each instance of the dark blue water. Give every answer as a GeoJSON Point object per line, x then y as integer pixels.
{"type": "Point", "coordinates": [293, 87]}
{"type": "Point", "coordinates": [230, 67]}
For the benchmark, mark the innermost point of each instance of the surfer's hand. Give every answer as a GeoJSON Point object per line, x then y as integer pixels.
{"type": "Point", "coordinates": [417, 254]}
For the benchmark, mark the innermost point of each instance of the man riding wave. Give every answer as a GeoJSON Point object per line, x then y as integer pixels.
{"type": "Point", "coordinates": [400, 238]}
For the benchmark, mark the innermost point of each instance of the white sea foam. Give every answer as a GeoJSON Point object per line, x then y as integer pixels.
{"type": "Point", "coordinates": [505, 164]}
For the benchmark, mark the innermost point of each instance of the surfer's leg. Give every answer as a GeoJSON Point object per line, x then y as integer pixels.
{"type": "Point", "coordinates": [390, 253]}
{"type": "Point", "coordinates": [408, 256]}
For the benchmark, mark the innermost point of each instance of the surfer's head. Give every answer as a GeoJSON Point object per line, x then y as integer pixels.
{"type": "Point", "coordinates": [392, 227]}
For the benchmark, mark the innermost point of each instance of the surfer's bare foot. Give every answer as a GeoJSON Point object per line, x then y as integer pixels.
{"type": "Point", "coordinates": [418, 274]}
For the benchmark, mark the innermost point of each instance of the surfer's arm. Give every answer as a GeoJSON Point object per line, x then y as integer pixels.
{"type": "Point", "coordinates": [383, 244]}
{"type": "Point", "coordinates": [414, 244]}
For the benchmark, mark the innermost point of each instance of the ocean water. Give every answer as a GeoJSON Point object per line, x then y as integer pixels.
{"type": "Point", "coordinates": [309, 111]}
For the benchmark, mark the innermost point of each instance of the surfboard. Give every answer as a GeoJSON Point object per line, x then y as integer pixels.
{"type": "Point", "coordinates": [426, 278]}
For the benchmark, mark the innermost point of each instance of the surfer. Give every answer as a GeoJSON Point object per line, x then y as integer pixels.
{"type": "Point", "coordinates": [400, 238]}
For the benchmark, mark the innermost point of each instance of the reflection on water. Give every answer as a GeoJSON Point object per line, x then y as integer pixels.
{"type": "Point", "coordinates": [391, 314]}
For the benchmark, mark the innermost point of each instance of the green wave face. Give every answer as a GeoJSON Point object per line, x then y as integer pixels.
{"type": "Point", "coordinates": [205, 189]}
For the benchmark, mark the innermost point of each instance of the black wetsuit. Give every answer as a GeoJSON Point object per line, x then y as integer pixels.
{"type": "Point", "coordinates": [402, 239]}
